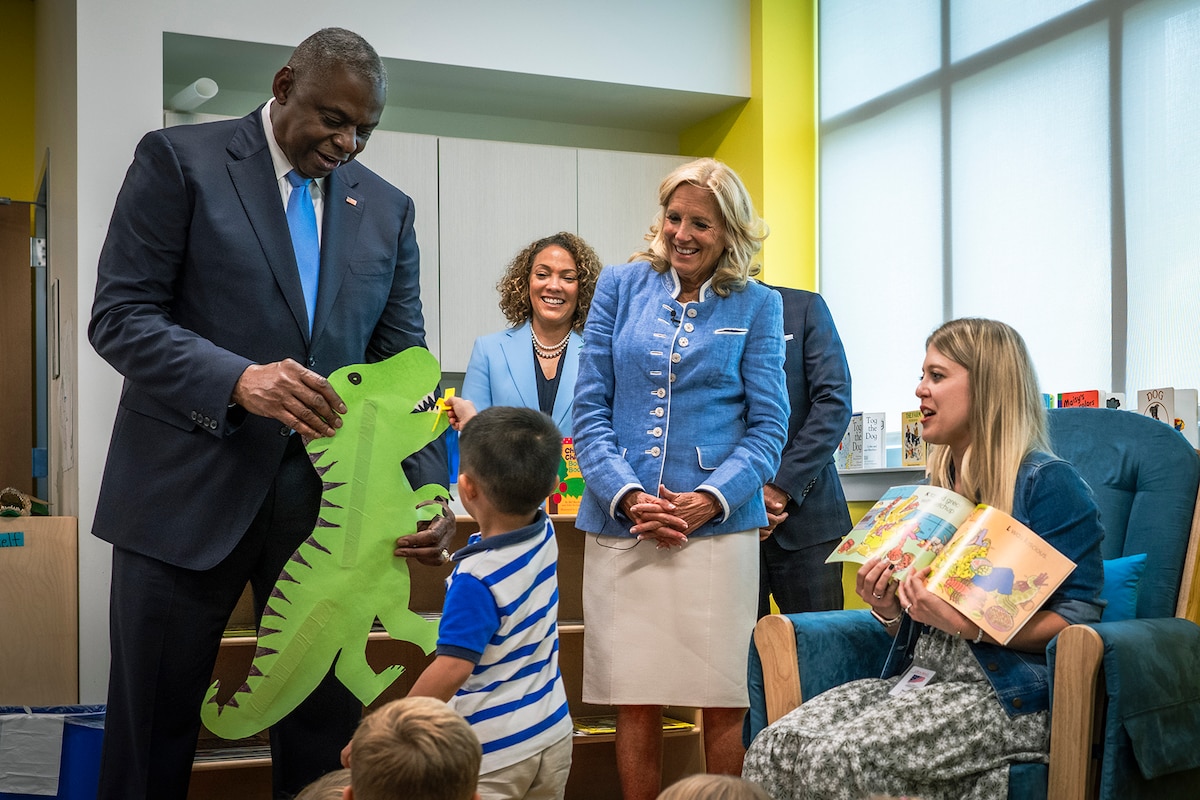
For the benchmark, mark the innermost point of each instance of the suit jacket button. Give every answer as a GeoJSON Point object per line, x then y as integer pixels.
{"type": "Point", "coordinates": [312, 362]}
{"type": "Point", "coordinates": [285, 431]}
{"type": "Point", "coordinates": [212, 423]}
{"type": "Point", "coordinates": [194, 415]}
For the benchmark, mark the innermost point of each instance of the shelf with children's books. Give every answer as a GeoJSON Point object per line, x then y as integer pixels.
{"type": "Point", "coordinates": [226, 769]}
{"type": "Point", "coordinates": [868, 485]}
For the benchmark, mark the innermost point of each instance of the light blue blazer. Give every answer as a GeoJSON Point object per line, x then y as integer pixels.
{"type": "Point", "coordinates": [501, 373]}
{"type": "Point", "coordinates": [689, 395]}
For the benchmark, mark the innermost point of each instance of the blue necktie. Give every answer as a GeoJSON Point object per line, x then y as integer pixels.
{"type": "Point", "coordinates": [302, 222]}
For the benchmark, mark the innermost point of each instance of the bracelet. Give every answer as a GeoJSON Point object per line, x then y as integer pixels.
{"type": "Point", "coordinates": [978, 637]}
{"type": "Point", "coordinates": [887, 623]}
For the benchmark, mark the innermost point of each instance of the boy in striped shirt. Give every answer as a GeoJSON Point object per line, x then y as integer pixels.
{"type": "Point", "coordinates": [497, 651]}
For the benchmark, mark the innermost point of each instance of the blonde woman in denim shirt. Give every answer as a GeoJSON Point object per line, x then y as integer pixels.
{"type": "Point", "coordinates": [680, 419]}
{"type": "Point", "coordinates": [986, 705]}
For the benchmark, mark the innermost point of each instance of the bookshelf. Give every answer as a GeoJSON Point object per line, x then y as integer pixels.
{"type": "Point", "coordinates": [243, 769]}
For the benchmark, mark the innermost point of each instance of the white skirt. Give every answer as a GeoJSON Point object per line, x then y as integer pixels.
{"type": "Point", "coordinates": [669, 627]}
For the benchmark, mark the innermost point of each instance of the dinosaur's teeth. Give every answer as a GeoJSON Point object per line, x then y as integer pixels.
{"type": "Point", "coordinates": [265, 651]}
{"type": "Point", "coordinates": [312, 542]}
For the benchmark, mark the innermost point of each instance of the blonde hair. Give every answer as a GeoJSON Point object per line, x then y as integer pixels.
{"type": "Point", "coordinates": [714, 787]}
{"type": "Point", "coordinates": [514, 284]}
{"type": "Point", "coordinates": [329, 786]}
{"type": "Point", "coordinates": [417, 748]}
{"type": "Point", "coordinates": [744, 229]}
{"type": "Point", "coordinates": [1007, 418]}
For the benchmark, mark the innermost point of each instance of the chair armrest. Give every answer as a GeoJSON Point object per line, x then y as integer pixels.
{"type": "Point", "coordinates": [795, 656]}
{"type": "Point", "coordinates": [1150, 722]}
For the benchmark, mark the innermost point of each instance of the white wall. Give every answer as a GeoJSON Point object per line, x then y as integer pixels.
{"type": "Point", "coordinates": [692, 45]}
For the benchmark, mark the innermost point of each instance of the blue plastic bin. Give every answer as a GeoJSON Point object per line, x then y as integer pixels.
{"type": "Point", "coordinates": [83, 736]}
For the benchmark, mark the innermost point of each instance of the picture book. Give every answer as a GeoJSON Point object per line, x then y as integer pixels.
{"type": "Point", "coordinates": [852, 442]}
{"type": "Point", "coordinates": [1158, 403]}
{"type": "Point", "coordinates": [907, 526]}
{"type": "Point", "coordinates": [912, 443]}
{"type": "Point", "coordinates": [874, 431]}
{"type": "Point", "coordinates": [599, 725]}
{"type": "Point", "coordinates": [842, 453]}
{"type": "Point", "coordinates": [568, 492]}
{"type": "Point", "coordinates": [1090, 398]}
{"type": "Point", "coordinates": [983, 562]}
{"type": "Point", "coordinates": [1185, 415]}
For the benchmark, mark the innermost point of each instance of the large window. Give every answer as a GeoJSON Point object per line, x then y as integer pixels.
{"type": "Point", "coordinates": [1035, 161]}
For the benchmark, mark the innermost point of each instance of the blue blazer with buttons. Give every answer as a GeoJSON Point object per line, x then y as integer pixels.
{"type": "Point", "coordinates": [196, 281]}
{"type": "Point", "coordinates": [501, 373]}
{"type": "Point", "coordinates": [691, 396]}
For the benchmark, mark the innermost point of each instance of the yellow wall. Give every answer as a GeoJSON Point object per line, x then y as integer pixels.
{"type": "Point", "coordinates": [771, 138]}
{"type": "Point", "coordinates": [18, 167]}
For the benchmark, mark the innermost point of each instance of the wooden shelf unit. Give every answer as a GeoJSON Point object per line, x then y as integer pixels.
{"type": "Point", "coordinates": [593, 768]}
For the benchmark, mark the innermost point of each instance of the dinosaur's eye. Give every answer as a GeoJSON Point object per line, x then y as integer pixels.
{"type": "Point", "coordinates": [354, 378]}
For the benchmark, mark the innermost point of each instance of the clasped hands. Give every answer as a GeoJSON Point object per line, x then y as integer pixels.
{"type": "Point", "coordinates": [887, 596]}
{"type": "Point", "coordinates": [668, 517]}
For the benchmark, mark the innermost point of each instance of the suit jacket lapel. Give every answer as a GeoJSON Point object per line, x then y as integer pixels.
{"type": "Point", "coordinates": [253, 177]}
{"type": "Point", "coordinates": [518, 354]}
{"type": "Point", "coordinates": [566, 386]}
{"type": "Point", "coordinates": [343, 215]}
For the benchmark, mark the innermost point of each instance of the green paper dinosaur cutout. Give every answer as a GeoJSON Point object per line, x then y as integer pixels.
{"type": "Point", "coordinates": [345, 574]}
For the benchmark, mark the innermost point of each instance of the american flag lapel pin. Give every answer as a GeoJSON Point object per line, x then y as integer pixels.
{"type": "Point", "coordinates": [351, 200]}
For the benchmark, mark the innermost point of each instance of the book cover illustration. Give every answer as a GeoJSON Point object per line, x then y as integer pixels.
{"type": "Point", "coordinates": [997, 572]}
{"type": "Point", "coordinates": [874, 431]}
{"type": "Point", "coordinates": [607, 723]}
{"type": "Point", "coordinates": [854, 453]}
{"type": "Point", "coordinates": [913, 451]}
{"type": "Point", "coordinates": [1185, 415]}
{"type": "Point", "coordinates": [1158, 404]}
{"type": "Point", "coordinates": [908, 527]}
{"type": "Point", "coordinates": [1091, 398]}
{"type": "Point", "coordinates": [568, 492]}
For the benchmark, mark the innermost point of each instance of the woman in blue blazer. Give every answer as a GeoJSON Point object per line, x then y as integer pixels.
{"type": "Point", "coordinates": [545, 294]}
{"type": "Point", "coordinates": [681, 414]}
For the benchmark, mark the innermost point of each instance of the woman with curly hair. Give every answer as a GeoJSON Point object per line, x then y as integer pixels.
{"type": "Point", "coordinates": [545, 294]}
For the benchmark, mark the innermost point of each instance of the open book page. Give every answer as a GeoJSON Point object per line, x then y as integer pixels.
{"type": "Point", "coordinates": [908, 527]}
{"type": "Point", "coordinates": [997, 572]}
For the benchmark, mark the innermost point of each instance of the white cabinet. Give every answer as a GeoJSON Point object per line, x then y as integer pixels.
{"type": "Point", "coordinates": [410, 161]}
{"type": "Point", "coordinates": [618, 199]}
{"type": "Point", "coordinates": [496, 197]}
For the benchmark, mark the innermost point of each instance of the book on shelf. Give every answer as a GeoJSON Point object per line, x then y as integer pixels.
{"type": "Point", "coordinates": [874, 433]}
{"type": "Point", "coordinates": [850, 451]}
{"type": "Point", "coordinates": [1158, 404]}
{"type": "Point", "coordinates": [1089, 398]}
{"type": "Point", "coordinates": [913, 449]}
{"type": "Point", "coordinates": [607, 723]}
{"type": "Point", "coordinates": [1185, 415]}
{"type": "Point", "coordinates": [568, 492]}
{"type": "Point", "coordinates": [985, 563]}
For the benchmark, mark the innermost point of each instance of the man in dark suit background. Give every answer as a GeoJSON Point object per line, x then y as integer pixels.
{"type": "Point", "coordinates": [805, 503]}
{"type": "Point", "coordinates": [200, 306]}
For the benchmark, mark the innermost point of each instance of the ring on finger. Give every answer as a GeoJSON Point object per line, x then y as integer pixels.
{"type": "Point", "coordinates": [877, 596]}
{"type": "Point", "coordinates": [907, 608]}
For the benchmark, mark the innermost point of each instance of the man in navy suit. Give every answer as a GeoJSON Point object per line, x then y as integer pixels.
{"type": "Point", "coordinates": [805, 503]}
{"type": "Point", "coordinates": [200, 306]}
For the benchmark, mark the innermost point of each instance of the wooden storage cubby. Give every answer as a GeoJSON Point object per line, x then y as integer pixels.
{"type": "Point", "coordinates": [593, 768]}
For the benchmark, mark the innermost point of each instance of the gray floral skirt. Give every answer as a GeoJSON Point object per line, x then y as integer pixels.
{"type": "Point", "coordinates": [948, 740]}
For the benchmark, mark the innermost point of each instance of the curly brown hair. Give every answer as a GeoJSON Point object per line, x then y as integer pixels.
{"type": "Point", "coordinates": [514, 285]}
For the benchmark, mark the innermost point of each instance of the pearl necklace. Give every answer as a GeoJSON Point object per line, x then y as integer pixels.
{"type": "Point", "coordinates": [546, 350]}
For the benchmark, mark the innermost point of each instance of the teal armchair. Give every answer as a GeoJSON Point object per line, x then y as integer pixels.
{"type": "Point", "coordinates": [1125, 698]}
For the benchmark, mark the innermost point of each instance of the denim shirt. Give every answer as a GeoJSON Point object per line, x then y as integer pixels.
{"type": "Point", "coordinates": [1054, 501]}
